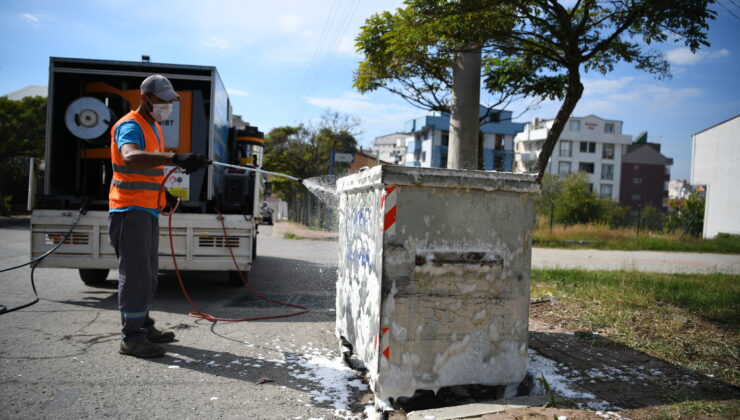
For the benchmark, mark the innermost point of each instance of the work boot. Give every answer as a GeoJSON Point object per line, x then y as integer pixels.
{"type": "Point", "coordinates": [144, 348]}
{"type": "Point", "coordinates": [156, 336]}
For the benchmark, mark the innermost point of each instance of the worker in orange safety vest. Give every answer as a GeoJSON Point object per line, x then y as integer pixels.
{"type": "Point", "coordinates": [134, 201]}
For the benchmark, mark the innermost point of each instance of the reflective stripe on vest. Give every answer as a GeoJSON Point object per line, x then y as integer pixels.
{"type": "Point", "coordinates": [129, 170]}
{"type": "Point", "coordinates": [134, 186]}
{"type": "Point", "coordinates": [149, 186]}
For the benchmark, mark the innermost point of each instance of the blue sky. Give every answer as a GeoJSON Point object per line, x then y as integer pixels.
{"type": "Point", "coordinates": [286, 62]}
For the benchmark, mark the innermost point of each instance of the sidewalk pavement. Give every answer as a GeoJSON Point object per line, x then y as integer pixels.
{"type": "Point", "coordinates": [284, 227]}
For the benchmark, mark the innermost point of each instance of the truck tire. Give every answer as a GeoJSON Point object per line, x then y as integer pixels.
{"type": "Point", "coordinates": [254, 248]}
{"type": "Point", "coordinates": [93, 276]}
{"type": "Point", "coordinates": [235, 279]}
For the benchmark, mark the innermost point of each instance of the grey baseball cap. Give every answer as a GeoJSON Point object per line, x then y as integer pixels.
{"type": "Point", "coordinates": [158, 85]}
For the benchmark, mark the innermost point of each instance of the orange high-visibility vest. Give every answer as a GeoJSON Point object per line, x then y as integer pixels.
{"type": "Point", "coordinates": [133, 186]}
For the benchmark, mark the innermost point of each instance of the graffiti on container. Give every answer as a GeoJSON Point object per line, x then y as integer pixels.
{"type": "Point", "coordinates": [362, 256]}
{"type": "Point", "coordinates": [360, 217]}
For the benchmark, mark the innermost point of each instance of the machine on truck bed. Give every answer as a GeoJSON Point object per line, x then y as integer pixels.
{"type": "Point", "coordinates": [86, 98]}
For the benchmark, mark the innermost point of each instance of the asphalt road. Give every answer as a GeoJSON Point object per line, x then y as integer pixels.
{"type": "Point", "coordinates": [59, 359]}
{"type": "Point", "coordinates": [650, 261]}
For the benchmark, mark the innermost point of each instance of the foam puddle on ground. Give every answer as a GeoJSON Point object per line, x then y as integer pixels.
{"type": "Point", "coordinates": [563, 386]}
{"type": "Point", "coordinates": [331, 384]}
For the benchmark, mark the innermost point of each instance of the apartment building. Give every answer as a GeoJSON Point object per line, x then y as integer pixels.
{"type": "Point", "coordinates": [391, 147]}
{"type": "Point", "coordinates": [428, 140]}
{"type": "Point", "coordinates": [714, 164]}
{"type": "Point", "coordinates": [587, 144]}
{"type": "Point", "coordinates": [645, 176]}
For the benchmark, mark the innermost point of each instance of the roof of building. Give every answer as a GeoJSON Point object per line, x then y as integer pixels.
{"type": "Point", "coordinates": [30, 90]}
{"type": "Point", "coordinates": [717, 125]}
{"type": "Point", "coordinates": [371, 156]}
{"type": "Point", "coordinates": [645, 154]}
{"type": "Point", "coordinates": [388, 138]}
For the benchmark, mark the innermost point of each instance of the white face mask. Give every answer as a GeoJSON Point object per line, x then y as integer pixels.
{"type": "Point", "coordinates": [160, 112]}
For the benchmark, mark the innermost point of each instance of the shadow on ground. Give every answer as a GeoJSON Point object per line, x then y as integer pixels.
{"type": "Point", "coordinates": [281, 279]}
{"type": "Point", "coordinates": [625, 377]}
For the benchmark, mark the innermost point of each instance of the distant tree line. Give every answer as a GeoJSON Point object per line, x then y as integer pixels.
{"type": "Point", "coordinates": [569, 200]}
{"type": "Point", "coordinates": [304, 151]}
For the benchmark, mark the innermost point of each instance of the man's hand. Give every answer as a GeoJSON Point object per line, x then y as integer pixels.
{"type": "Point", "coordinates": [190, 162]}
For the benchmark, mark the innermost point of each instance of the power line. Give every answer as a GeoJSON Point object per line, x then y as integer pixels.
{"type": "Point", "coordinates": [335, 38]}
{"type": "Point", "coordinates": [728, 10]}
{"type": "Point", "coordinates": [314, 58]}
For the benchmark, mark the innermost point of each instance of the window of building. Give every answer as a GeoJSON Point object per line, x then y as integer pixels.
{"type": "Point", "coordinates": [566, 148]}
{"type": "Point", "coordinates": [607, 171]}
{"type": "Point", "coordinates": [445, 138]}
{"type": "Point", "coordinates": [587, 167]}
{"type": "Point", "coordinates": [637, 180]}
{"type": "Point", "coordinates": [424, 156]}
{"type": "Point", "coordinates": [636, 197]}
{"type": "Point", "coordinates": [499, 145]}
{"type": "Point", "coordinates": [588, 147]}
{"type": "Point", "coordinates": [443, 160]}
{"type": "Point", "coordinates": [605, 191]}
{"type": "Point", "coordinates": [574, 125]}
{"type": "Point", "coordinates": [636, 167]}
{"type": "Point", "coordinates": [590, 187]}
{"type": "Point", "coordinates": [609, 128]}
{"type": "Point", "coordinates": [607, 151]}
{"type": "Point", "coordinates": [564, 168]}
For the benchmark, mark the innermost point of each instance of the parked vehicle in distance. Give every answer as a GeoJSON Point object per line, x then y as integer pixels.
{"type": "Point", "coordinates": [267, 213]}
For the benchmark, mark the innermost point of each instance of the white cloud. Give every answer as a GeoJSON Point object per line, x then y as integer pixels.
{"type": "Point", "coordinates": [289, 23]}
{"type": "Point", "coordinates": [236, 92]}
{"type": "Point", "coordinates": [216, 42]}
{"type": "Point", "coordinates": [605, 86]}
{"type": "Point", "coordinates": [379, 118]}
{"type": "Point", "coordinates": [30, 18]}
{"type": "Point", "coordinates": [683, 56]}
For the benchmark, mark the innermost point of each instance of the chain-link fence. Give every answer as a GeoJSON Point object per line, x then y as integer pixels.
{"type": "Point", "coordinates": [306, 209]}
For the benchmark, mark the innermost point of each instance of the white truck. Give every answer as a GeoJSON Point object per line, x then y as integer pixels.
{"type": "Point", "coordinates": [86, 97]}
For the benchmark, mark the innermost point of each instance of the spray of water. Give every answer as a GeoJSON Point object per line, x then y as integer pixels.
{"type": "Point", "coordinates": [324, 188]}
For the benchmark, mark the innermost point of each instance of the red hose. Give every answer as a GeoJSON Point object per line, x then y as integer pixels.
{"type": "Point", "coordinates": [197, 313]}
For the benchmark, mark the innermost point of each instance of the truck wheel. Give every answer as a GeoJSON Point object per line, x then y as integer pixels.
{"type": "Point", "coordinates": [254, 248]}
{"type": "Point", "coordinates": [235, 279]}
{"type": "Point", "coordinates": [93, 276]}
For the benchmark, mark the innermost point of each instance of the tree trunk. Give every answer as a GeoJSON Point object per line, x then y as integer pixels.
{"type": "Point", "coordinates": [464, 109]}
{"type": "Point", "coordinates": [572, 96]}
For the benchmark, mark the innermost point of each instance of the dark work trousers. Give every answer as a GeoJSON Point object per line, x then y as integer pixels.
{"type": "Point", "coordinates": [134, 235]}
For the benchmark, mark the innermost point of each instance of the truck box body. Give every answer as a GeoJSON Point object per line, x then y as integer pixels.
{"type": "Point", "coordinates": [86, 98]}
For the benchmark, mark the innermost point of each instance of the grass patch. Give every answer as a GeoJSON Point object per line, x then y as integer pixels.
{"type": "Point", "coordinates": [690, 320]}
{"type": "Point", "coordinates": [291, 236]}
{"type": "Point", "coordinates": [597, 236]}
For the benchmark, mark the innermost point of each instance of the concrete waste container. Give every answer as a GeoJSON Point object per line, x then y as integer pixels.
{"type": "Point", "coordinates": [433, 276]}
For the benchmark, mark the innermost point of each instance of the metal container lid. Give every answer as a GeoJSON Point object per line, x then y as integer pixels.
{"type": "Point", "coordinates": [438, 178]}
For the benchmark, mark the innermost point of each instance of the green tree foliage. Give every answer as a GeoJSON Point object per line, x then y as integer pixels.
{"type": "Point", "coordinates": [576, 203]}
{"type": "Point", "coordinates": [550, 189]}
{"type": "Point", "coordinates": [573, 202]}
{"type": "Point", "coordinates": [410, 53]}
{"type": "Point", "coordinates": [305, 152]}
{"type": "Point", "coordinates": [612, 214]}
{"type": "Point", "coordinates": [22, 134]}
{"type": "Point", "coordinates": [532, 47]}
{"type": "Point", "coordinates": [686, 215]}
{"type": "Point", "coordinates": [651, 219]}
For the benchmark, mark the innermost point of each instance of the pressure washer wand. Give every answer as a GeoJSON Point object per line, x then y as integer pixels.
{"type": "Point", "coordinates": [247, 168]}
